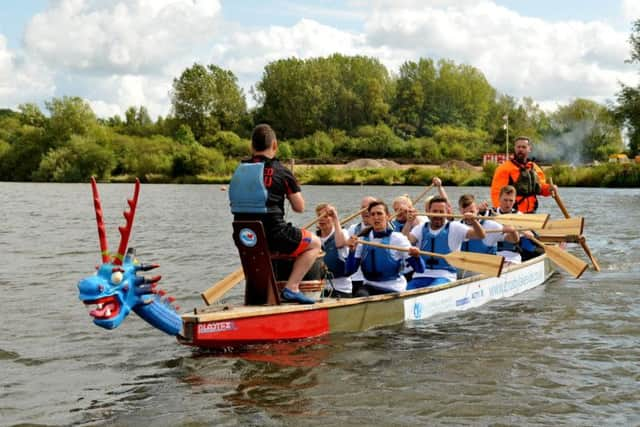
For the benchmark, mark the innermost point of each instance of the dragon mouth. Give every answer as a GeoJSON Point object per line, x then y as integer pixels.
{"type": "Point", "coordinates": [106, 308]}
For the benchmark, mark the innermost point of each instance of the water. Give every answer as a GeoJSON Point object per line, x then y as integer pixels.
{"type": "Point", "coordinates": [564, 353]}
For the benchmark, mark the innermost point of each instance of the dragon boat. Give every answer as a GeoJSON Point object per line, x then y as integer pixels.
{"type": "Point", "coordinates": [118, 288]}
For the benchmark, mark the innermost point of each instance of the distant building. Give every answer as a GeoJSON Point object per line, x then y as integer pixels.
{"type": "Point", "coordinates": [494, 158]}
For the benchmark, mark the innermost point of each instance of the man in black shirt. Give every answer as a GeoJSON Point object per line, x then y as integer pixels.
{"type": "Point", "coordinates": [257, 191]}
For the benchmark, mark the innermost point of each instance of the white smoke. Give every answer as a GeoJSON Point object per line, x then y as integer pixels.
{"type": "Point", "coordinates": [566, 147]}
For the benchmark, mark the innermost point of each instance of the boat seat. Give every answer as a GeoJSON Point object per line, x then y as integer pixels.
{"type": "Point", "coordinates": [260, 282]}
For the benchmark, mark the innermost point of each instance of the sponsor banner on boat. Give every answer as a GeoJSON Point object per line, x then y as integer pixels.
{"type": "Point", "coordinates": [216, 327]}
{"type": "Point", "coordinates": [474, 294]}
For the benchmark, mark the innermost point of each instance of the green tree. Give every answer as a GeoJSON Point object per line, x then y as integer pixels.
{"type": "Point", "coordinates": [429, 95]}
{"type": "Point", "coordinates": [31, 115]}
{"type": "Point", "coordinates": [22, 158]}
{"type": "Point", "coordinates": [414, 93]}
{"type": "Point", "coordinates": [299, 97]}
{"type": "Point", "coordinates": [462, 96]}
{"type": "Point", "coordinates": [628, 109]}
{"type": "Point", "coordinates": [76, 161]}
{"type": "Point", "coordinates": [69, 116]}
{"type": "Point", "coordinates": [208, 99]}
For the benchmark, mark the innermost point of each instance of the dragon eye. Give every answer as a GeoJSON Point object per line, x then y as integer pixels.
{"type": "Point", "coordinates": [116, 277]}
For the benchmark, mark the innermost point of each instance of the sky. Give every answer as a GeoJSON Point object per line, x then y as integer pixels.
{"type": "Point", "coordinates": [118, 54]}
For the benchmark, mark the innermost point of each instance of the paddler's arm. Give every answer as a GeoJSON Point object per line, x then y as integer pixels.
{"type": "Point", "coordinates": [341, 240]}
{"type": "Point", "coordinates": [297, 201]}
{"type": "Point", "coordinates": [352, 263]}
{"type": "Point", "coordinates": [415, 261]}
{"type": "Point", "coordinates": [546, 189]}
{"type": "Point", "coordinates": [476, 231]}
{"type": "Point", "coordinates": [510, 234]}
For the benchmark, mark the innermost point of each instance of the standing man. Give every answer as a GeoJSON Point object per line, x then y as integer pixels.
{"type": "Point", "coordinates": [526, 176]}
{"type": "Point", "coordinates": [257, 191]}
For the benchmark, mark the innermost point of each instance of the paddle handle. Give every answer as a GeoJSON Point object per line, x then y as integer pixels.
{"type": "Point", "coordinates": [415, 200]}
{"type": "Point", "coordinates": [220, 288]}
{"type": "Point", "coordinates": [398, 248]}
{"type": "Point", "coordinates": [353, 215]}
{"type": "Point", "coordinates": [421, 195]}
{"type": "Point", "coordinates": [558, 200]}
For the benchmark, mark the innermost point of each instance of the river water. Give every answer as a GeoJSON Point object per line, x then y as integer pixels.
{"type": "Point", "coordinates": [566, 353]}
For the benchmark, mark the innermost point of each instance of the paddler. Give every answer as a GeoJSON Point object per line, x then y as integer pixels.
{"type": "Point", "coordinates": [442, 237]}
{"type": "Point", "coordinates": [334, 244]}
{"type": "Point", "coordinates": [257, 191]}
{"type": "Point", "coordinates": [381, 267]}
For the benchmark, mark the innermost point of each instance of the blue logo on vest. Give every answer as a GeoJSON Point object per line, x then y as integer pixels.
{"type": "Point", "coordinates": [248, 237]}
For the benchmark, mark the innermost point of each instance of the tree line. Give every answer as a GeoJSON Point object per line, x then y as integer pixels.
{"type": "Point", "coordinates": [325, 110]}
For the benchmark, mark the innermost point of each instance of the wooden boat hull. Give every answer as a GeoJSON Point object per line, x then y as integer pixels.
{"type": "Point", "coordinates": [233, 326]}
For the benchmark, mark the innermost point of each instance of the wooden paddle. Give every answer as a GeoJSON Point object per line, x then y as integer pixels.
{"type": "Point", "coordinates": [527, 221]}
{"type": "Point", "coordinates": [572, 264]}
{"type": "Point", "coordinates": [489, 265]}
{"type": "Point", "coordinates": [218, 289]}
{"type": "Point", "coordinates": [561, 228]}
{"type": "Point", "coordinates": [582, 240]}
{"type": "Point", "coordinates": [557, 236]}
{"type": "Point", "coordinates": [342, 221]}
{"type": "Point", "coordinates": [575, 224]}
{"type": "Point", "coordinates": [414, 201]}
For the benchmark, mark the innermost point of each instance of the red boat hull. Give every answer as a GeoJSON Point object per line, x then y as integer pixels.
{"type": "Point", "coordinates": [260, 329]}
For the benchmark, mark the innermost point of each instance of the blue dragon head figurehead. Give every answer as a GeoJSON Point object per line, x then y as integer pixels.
{"type": "Point", "coordinates": [116, 289]}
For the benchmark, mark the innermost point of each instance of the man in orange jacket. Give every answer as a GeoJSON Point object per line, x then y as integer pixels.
{"type": "Point", "coordinates": [524, 175]}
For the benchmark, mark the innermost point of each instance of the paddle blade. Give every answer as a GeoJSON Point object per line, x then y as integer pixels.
{"type": "Point", "coordinates": [489, 265]}
{"type": "Point", "coordinates": [568, 262]}
{"type": "Point", "coordinates": [558, 236]}
{"type": "Point", "coordinates": [573, 225]}
{"type": "Point", "coordinates": [528, 221]}
{"type": "Point", "coordinates": [222, 287]}
{"type": "Point", "coordinates": [562, 230]}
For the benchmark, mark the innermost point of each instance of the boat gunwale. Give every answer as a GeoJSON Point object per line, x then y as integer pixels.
{"type": "Point", "coordinates": [222, 312]}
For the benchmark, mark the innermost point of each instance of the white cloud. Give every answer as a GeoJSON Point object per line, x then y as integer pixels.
{"type": "Point", "coordinates": [120, 37]}
{"type": "Point", "coordinates": [520, 56]}
{"type": "Point", "coordinates": [250, 51]}
{"type": "Point", "coordinates": [119, 54]}
{"type": "Point", "coordinates": [21, 80]}
{"type": "Point", "coordinates": [631, 9]}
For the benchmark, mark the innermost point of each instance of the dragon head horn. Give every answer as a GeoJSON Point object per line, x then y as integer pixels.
{"type": "Point", "coordinates": [102, 235]}
{"type": "Point", "coordinates": [125, 231]}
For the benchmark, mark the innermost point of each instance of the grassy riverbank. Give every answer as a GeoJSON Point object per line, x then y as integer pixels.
{"type": "Point", "coordinates": [603, 175]}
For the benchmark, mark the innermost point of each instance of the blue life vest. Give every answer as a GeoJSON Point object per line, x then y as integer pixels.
{"type": "Point", "coordinates": [331, 257]}
{"type": "Point", "coordinates": [438, 244]}
{"type": "Point", "coordinates": [357, 229]}
{"type": "Point", "coordinates": [247, 193]}
{"type": "Point", "coordinates": [377, 264]}
{"type": "Point", "coordinates": [397, 225]}
{"type": "Point", "coordinates": [478, 246]}
{"type": "Point", "coordinates": [527, 245]}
